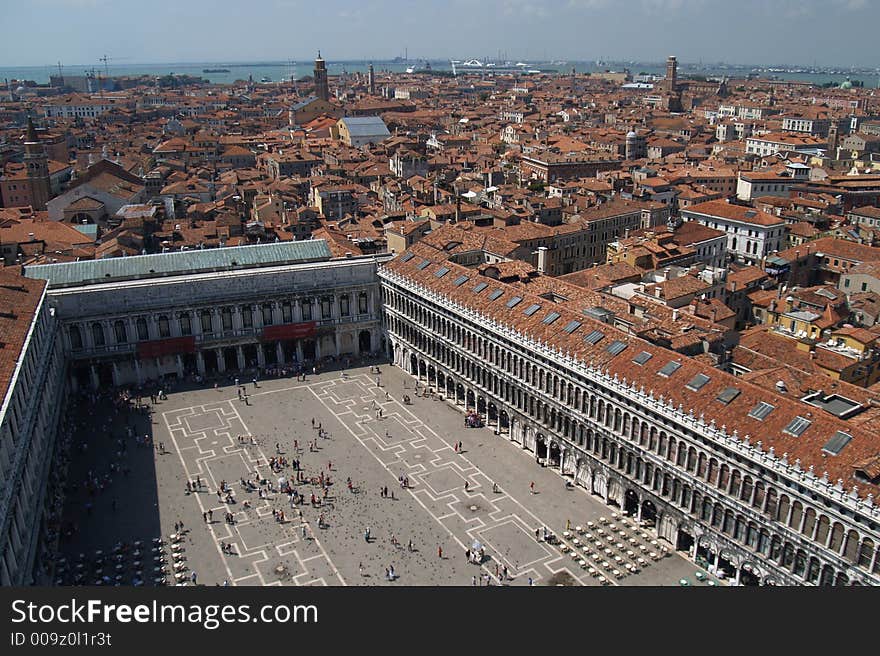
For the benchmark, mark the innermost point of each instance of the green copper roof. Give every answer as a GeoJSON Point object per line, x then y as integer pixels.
{"type": "Point", "coordinates": [136, 267]}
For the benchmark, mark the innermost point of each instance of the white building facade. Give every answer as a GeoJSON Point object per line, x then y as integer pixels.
{"type": "Point", "coordinates": [29, 419]}
{"type": "Point", "coordinates": [710, 489]}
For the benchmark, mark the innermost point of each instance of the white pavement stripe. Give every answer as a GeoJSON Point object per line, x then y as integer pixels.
{"type": "Point", "coordinates": [314, 535]}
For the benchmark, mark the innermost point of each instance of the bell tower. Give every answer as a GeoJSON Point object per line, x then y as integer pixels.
{"type": "Point", "coordinates": [37, 164]}
{"type": "Point", "coordinates": [322, 88]}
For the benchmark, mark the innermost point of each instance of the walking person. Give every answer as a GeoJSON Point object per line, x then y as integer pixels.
{"type": "Point", "coordinates": [532, 487]}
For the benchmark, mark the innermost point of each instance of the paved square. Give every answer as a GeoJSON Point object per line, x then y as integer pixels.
{"type": "Point", "coordinates": [211, 436]}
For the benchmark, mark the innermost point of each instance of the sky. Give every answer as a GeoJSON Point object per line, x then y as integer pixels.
{"type": "Point", "coordinates": [796, 32]}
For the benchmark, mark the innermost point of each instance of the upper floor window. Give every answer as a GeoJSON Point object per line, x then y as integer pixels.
{"type": "Point", "coordinates": [142, 330]}
{"type": "Point", "coordinates": [75, 337]}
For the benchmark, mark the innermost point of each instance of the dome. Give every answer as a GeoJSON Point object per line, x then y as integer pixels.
{"type": "Point", "coordinates": [846, 85]}
{"type": "Point", "coordinates": [631, 135]}
{"type": "Point", "coordinates": [20, 90]}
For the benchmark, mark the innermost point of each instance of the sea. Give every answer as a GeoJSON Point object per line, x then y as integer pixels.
{"type": "Point", "coordinates": [280, 71]}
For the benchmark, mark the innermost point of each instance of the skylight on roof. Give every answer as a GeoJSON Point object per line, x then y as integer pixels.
{"type": "Point", "coordinates": [529, 311]}
{"type": "Point", "coordinates": [761, 410]}
{"type": "Point", "coordinates": [442, 271]}
{"type": "Point", "coordinates": [616, 347]}
{"type": "Point", "coordinates": [669, 368]}
{"type": "Point", "coordinates": [835, 445]}
{"type": "Point", "coordinates": [423, 264]}
{"type": "Point", "coordinates": [550, 318]}
{"type": "Point", "coordinates": [728, 395]}
{"type": "Point", "coordinates": [571, 326]}
{"type": "Point", "coordinates": [406, 257]}
{"type": "Point", "coordinates": [458, 282]}
{"type": "Point", "coordinates": [594, 337]}
{"type": "Point", "coordinates": [642, 358]}
{"type": "Point", "coordinates": [495, 294]}
{"type": "Point", "coordinates": [797, 426]}
{"type": "Point", "coordinates": [697, 382]}
{"type": "Point", "coordinates": [516, 300]}
{"type": "Point", "coordinates": [480, 286]}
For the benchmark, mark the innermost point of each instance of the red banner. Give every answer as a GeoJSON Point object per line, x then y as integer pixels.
{"type": "Point", "coordinates": [289, 331]}
{"type": "Point", "coordinates": [159, 347]}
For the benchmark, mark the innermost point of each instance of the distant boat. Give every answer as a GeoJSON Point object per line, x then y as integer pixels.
{"type": "Point", "coordinates": [216, 70]}
{"type": "Point", "coordinates": [410, 69]}
{"type": "Point", "coordinates": [263, 80]}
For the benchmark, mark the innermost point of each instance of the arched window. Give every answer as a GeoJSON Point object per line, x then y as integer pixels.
{"type": "Point", "coordinates": [866, 553]}
{"type": "Point", "coordinates": [142, 330]}
{"type": "Point", "coordinates": [119, 332]}
{"type": "Point", "coordinates": [98, 334]}
{"type": "Point", "coordinates": [164, 327]}
{"type": "Point", "coordinates": [76, 341]}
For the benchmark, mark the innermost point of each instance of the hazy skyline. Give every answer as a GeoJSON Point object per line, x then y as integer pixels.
{"type": "Point", "coordinates": [804, 32]}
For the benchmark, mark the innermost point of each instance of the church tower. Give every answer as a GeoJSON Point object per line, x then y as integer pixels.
{"type": "Point", "coordinates": [671, 74]}
{"type": "Point", "coordinates": [322, 88]}
{"type": "Point", "coordinates": [832, 139]}
{"type": "Point", "coordinates": [37, 163]}
{"type": "Point", "coordinates": [371, 80]}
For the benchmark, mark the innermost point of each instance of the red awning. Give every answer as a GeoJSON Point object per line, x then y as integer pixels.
{"type": "Point", "coordinates": [159, 347]}
{"type": "Point", "coordinates": [289, 331]}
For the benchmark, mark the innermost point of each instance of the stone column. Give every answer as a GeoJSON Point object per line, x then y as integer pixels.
{"type": "Point", "coordinates": [239, 354]}
{"type": "Point", "coordinates": [696, 546]}
{"type": "Point", "coordinates": [200, 363]}
{"type": "Point", "coordinates": [179, 361]}
{"type": "Point", "coordinates": [93, 376]}
{"type": "Point", "coordinates": [137, 371]}
{"type": "Point", "coordinates": [562, 460]}
{"type": "Point", "coordinates": [279, 352]}
{"type": "Point", "coordinates": [299, 350]}
{"type": "Point", "coordinates": [116, 374]}
{"type": "Point", "coordinates": [221, 361]}
{"type": "Point", "coordinates": [336, 341]}
{"type": "Point", "coordinates": [317, 348]}
{"type": "Point", "coordinates": [261, 356]}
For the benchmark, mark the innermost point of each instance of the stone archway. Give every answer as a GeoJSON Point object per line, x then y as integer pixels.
{"type": "Point", "coordinates": [365, 342]}
{"type": "Point", "coordinates": [631, 502]}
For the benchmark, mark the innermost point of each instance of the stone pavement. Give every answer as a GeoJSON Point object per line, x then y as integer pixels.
{"type": "Point", "coordinates": [200, 430]}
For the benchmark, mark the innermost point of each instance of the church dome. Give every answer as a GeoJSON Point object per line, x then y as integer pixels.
{"type": "Point", "coordinates": [631, 135]}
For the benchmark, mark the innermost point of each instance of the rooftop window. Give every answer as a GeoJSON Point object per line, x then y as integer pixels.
{"type": "Point", "coordinates": [571, 326]}
{"type": "Point", "coordinates": [616, 347]}
{"type": "Point", "coordinates": [761, 410]}
{"type": "Point", "coordinates": [669, 369]}
{"type": "Point", "coordinates": [594, 337]}
{"type": "Point", "coordinates": [407, 257]}
{"type": "Point", "coordinates": [697, 382]}
{"type": "Point", "coordinates": [642, 358]}
{"type": "Point", "coordinates": [494, 295]}
{"type": "Point", "coordinates": [835, 445]}
{"type": "Point", "coordinates": [442, 271]}
{"type": "Point", "coordinates": [480, 286]}
{"type": "Point", "coordinates": [460, 281]}
{"type": "Point", "coordinates": [797, 426]}
{"type": "Point", "coordinates": [728, 395]}
{"type": "Point", "coordinates": [516, 300]}
{"type": "Point", "coordinates": [423, 264]}
{"type": "Point", "coordinates": [529, 311]}
{"type": "Point", "coordinates": [550, 318]}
